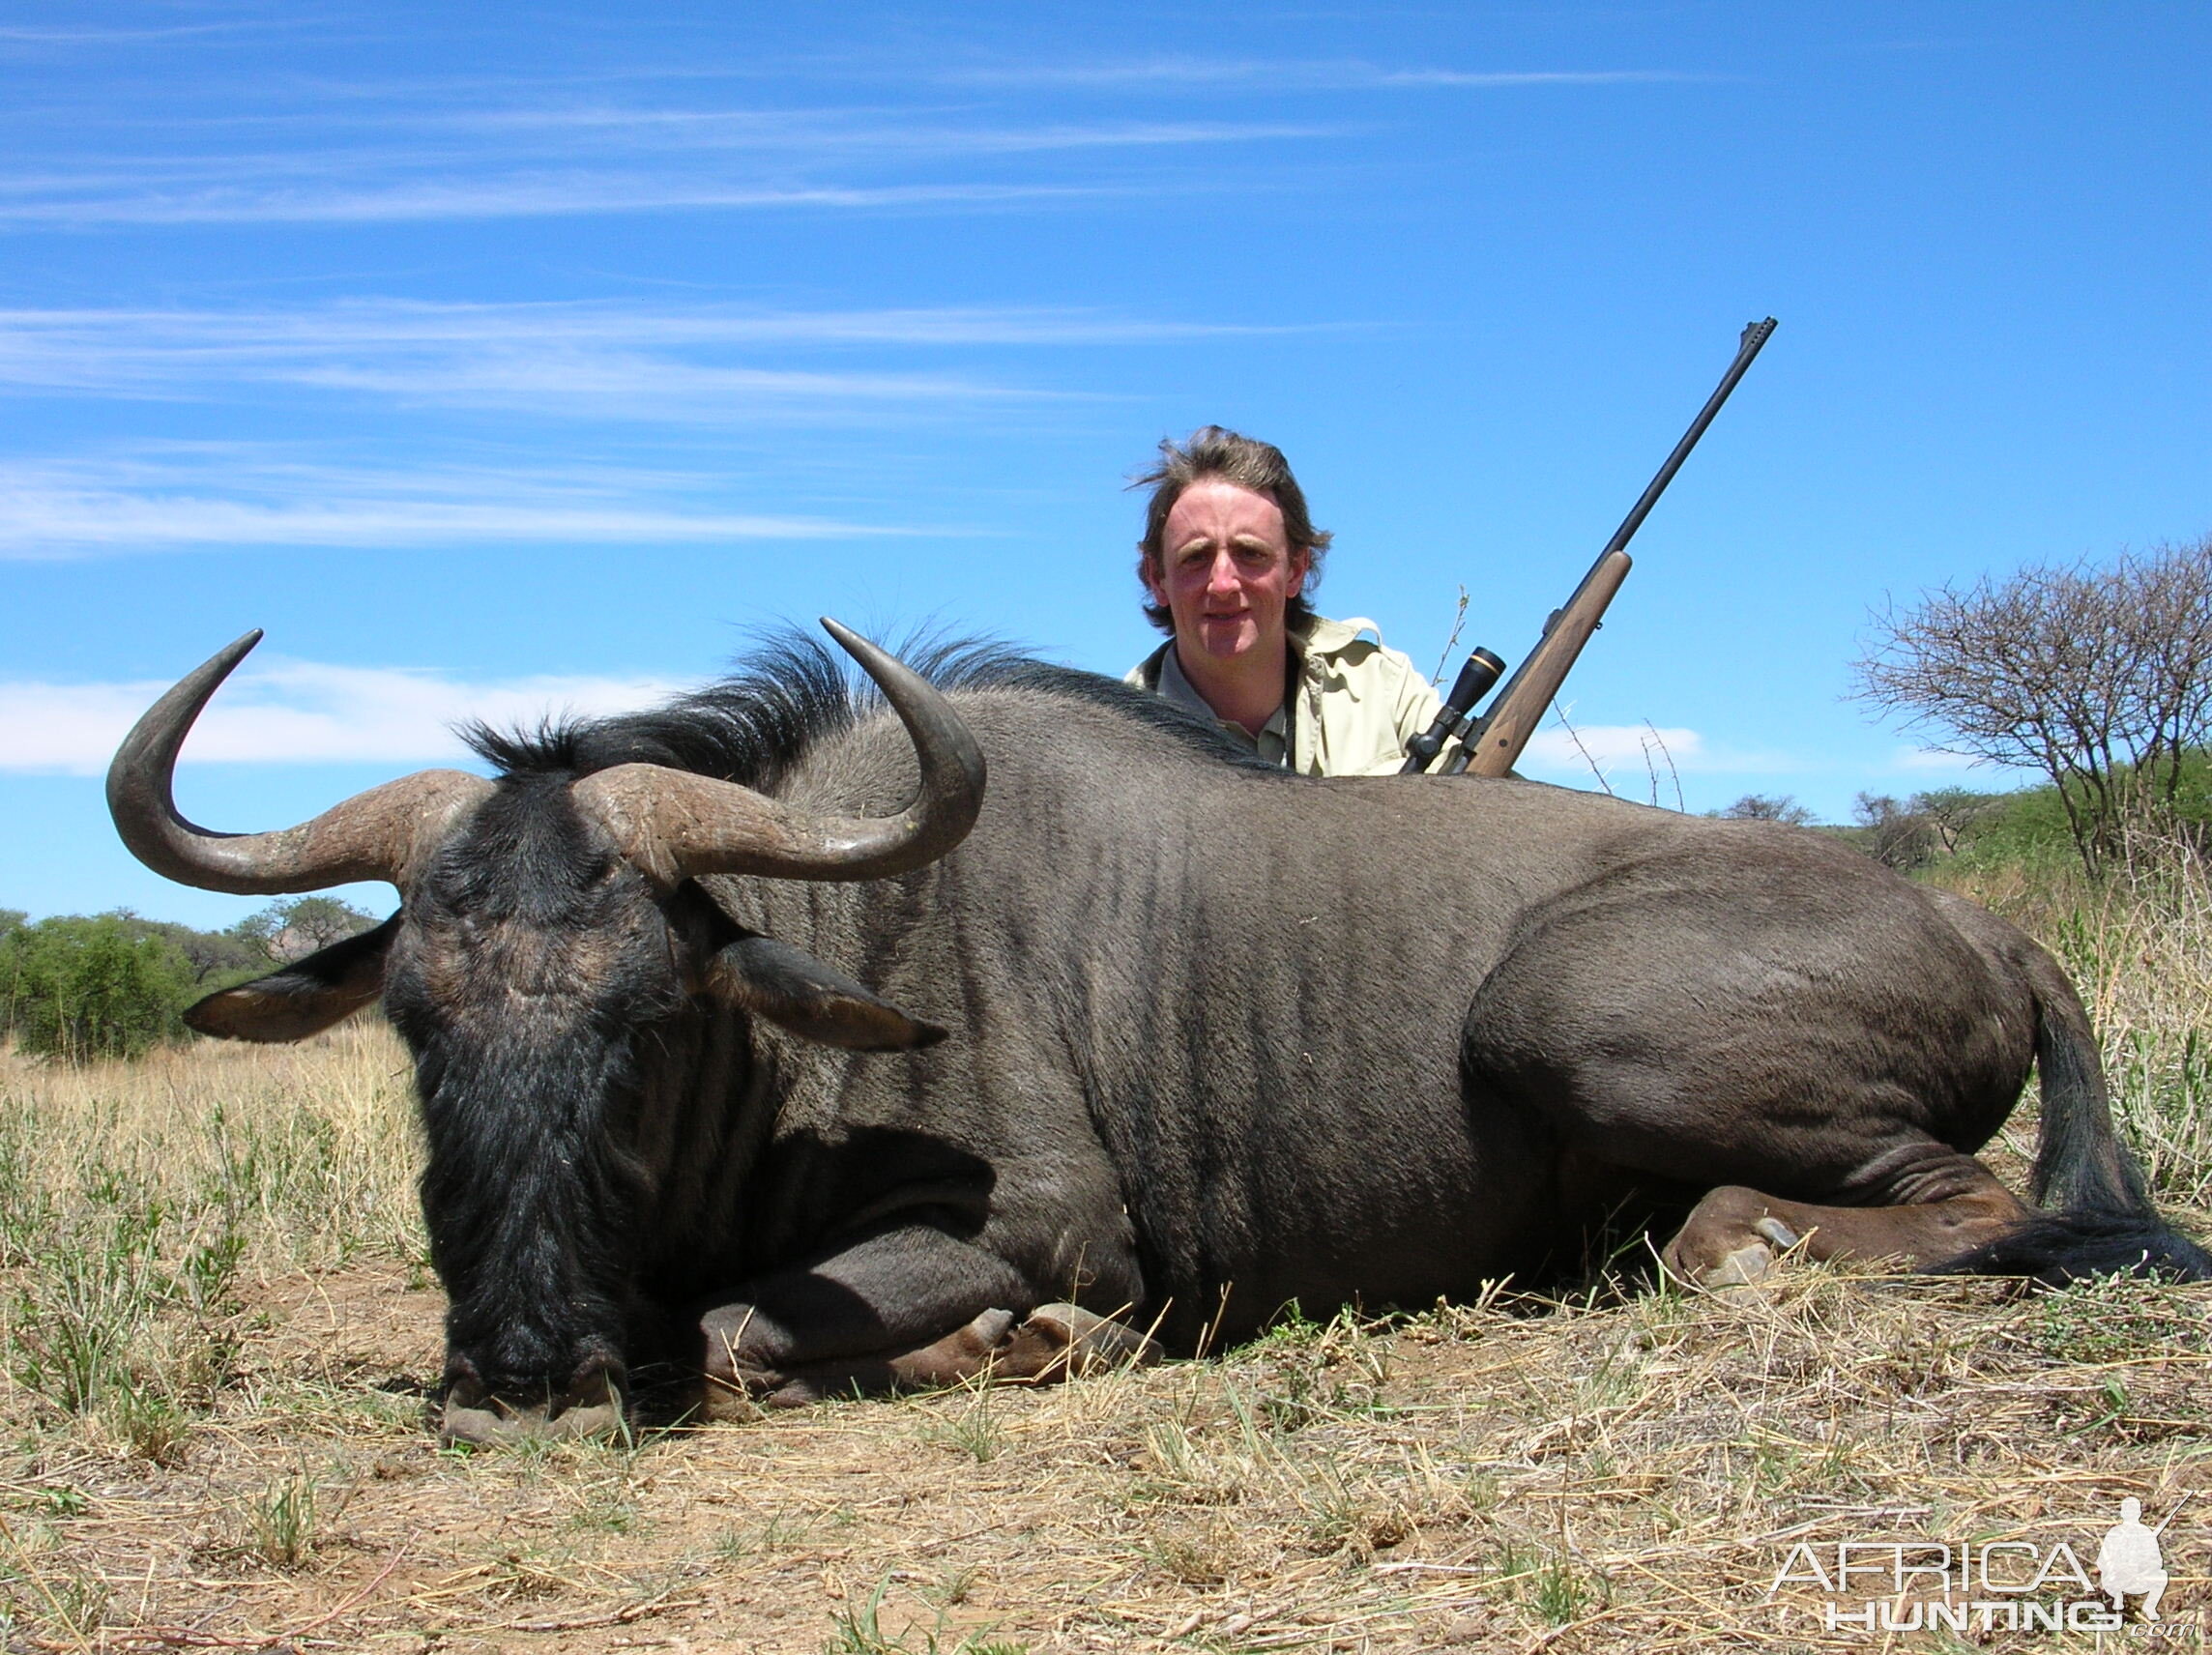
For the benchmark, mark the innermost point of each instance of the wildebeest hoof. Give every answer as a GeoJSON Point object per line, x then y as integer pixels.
{"type": "Point", "coordinates": [481, 1421]}
{"type": "Point", "coordinates": [988, 1330]}
{"type": "Point", "coordinates": [500, 1426]}
{"type": "Point", "coordinates": [1746, 1267]}
{"type": "Point", "coordinates": [1091, 1343]}
{"type": "Point", "coordinates": [731, 1392]}
{"type": "Point", "coordinates": [1776, 1234]}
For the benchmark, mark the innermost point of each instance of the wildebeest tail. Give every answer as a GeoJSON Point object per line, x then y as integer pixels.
{"type": "Point", "coordinates": [2098, 1217]}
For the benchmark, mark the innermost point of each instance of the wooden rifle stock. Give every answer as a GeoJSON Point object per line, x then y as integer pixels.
{"type": "Point", "coordinates": [1520, 704]}
{"type": "Point", "coordinates": [1494, 746]}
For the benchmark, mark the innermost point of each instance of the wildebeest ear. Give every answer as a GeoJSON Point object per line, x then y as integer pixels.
{"type": "Point", "coordinates": [305, 996]}
{"type": "Point", "coordinates": [791, 987]}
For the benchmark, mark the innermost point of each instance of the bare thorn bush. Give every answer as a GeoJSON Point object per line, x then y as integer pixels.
{"type": "Point", "coordinates": [2098, 678]}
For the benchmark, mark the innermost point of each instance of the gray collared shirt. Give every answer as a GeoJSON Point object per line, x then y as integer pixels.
{"type": "Point", "coordinates": [1273, 739]}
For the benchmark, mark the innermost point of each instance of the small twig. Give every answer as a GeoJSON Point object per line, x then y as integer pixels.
{"type": "Point", "coordinates": [1675, 775]}
{"type": "Point", "coordinates": [1557, 1632]}
{"type": "Point", "coordinates": [956, 1539]}
{"type": "Point", "coordinates": [1575, 736]}
{"type": "Point", "coordinates": [330, 1614]}
{"type": "Point", "coordinates": [186, 1638]}
{"type": "Point", "coordinates": [1459, 623]}
{"type": "Point", "coordinates": [661, 1603]}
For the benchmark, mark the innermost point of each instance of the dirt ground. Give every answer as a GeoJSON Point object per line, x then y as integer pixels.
{"type": "Point", "coordinates": [1625, 1473]}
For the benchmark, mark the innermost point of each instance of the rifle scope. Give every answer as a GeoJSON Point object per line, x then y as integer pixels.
{"type": "Point", "coordinates": [1482, 670]}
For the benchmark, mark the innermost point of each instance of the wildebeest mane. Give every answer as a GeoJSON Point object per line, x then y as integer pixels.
{"type": "Point", "coordinates": [791, 693]}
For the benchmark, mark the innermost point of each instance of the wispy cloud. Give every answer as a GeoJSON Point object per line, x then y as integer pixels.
{"type": "Point", "coordinates": [223, 498]}
{"type": "Point", "coordinates": [291, 712]}
{"type": "Point", "coordinates": [606, 361]}
{"type": "Point", "coordinates": [73, 202]}
{"type": "Point", "coordinates": [434, 162]}
{"type": "Point", "coordinates": [1475, 77]}
{"type": "Point", "coordinates": [31, 35]}
{"type": "Point", "coordinates": [1339, 74]}
{"type": "Point", "coordinates": [840, 134]}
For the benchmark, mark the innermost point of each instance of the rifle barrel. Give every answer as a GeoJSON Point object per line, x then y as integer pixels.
{"type": "Point", "coordinates": [1755, 336]}
{"type": "Point", "coordinates": [1611, 568]}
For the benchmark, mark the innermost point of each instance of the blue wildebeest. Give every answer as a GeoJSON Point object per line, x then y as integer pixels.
{"type": "Point", "coordinates": [753, 1015]}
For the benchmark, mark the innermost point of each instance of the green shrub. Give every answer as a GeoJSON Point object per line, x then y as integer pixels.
{"type": "Point", "coordinates": [2030, 829]}
{"type": "Point", "coordinates": [80, 988]}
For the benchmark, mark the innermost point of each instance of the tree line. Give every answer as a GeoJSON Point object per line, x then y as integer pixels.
{"type": "Point", "coordinates": [79, 987]}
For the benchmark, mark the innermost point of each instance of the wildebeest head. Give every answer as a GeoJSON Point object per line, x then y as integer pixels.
{"type": "Point", "coordinates": [550, 932]}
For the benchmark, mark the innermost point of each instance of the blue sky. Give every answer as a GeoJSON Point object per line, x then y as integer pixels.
{"type": "Point", "coordinates": [503, 359]}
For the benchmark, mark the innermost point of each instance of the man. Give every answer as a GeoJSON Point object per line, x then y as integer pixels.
{"type": "Point", "coordinates": [1228, 554]}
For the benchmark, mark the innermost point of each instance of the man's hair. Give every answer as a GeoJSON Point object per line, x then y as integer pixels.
{"type": "Point", "coordinates": [1214, 452]}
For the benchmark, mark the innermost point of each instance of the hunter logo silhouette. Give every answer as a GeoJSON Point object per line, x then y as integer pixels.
{"type": "Point", "coordinates": [2128, 1560]}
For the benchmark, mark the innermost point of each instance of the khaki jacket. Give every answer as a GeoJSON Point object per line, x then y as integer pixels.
{"type": "Point", "coordinates": [1355, 703]}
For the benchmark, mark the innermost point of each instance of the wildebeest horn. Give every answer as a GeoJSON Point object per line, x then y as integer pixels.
{"type": "Point", "coordinates": [375, 835]}
{"type": "Point", "coordinates": [675, 825]}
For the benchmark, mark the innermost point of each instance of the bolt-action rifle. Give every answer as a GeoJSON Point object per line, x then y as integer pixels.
{"type": "Point", "coordinates": [1490, 745]}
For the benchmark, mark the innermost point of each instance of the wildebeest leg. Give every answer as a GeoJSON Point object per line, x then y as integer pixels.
{"type": "Point", "coordinates": [1057, 1342]}
{"type": "Point", "coordinates": [1952, 1204]}
{"type": "Point", "coordinates": [1699, 1040]}
{"type": "Point", "coordinates": [908, 1306]}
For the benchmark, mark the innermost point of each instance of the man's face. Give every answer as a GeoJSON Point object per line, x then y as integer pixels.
{"type": "Point", "coordinates": [1227, 572]}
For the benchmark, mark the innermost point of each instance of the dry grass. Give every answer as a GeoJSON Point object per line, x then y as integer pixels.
{"type": "Point", "coordinates": [2138, 945]}
{"type": "Point", "coordinates": [220, 1339]}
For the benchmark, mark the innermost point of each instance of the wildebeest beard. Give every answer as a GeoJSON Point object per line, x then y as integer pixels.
{"type": "Point", "coordinates": [536, 966]}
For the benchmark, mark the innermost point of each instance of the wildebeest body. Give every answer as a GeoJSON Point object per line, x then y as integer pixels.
{"type": "Point", "coordinates": [1221, 1037]}
{"type": "Point", "coordinates": [1237, 1004]}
